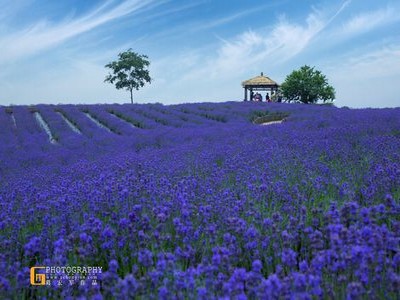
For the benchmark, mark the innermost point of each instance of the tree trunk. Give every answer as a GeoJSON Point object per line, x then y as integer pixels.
{"type": "Point", "coordinates": [131, 96]}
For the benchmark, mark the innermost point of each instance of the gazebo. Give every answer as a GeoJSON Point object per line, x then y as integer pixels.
{"type": "Point", "coordinates": [259, 83]}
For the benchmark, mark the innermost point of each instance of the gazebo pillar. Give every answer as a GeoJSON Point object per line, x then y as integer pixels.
{"type": "Point", "coordinates": [245, 94]}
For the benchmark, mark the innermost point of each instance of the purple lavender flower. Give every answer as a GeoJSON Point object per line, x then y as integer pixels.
{"type": "Point", "coordinates": [4, 284]}
{"type": "Point", "coordinates": [354, 290]}
{"type": "Point", "coordinates": [33, 247]}
{"type": "Point", "coordinates": [289, 257]}
{"type": "Point", "coordinates": [202, 293]}
{"type": "Point", "coordinates": [145, 257]}
{"type": "Point", "coordinates": [257, 266]}
{"type": "Point", "coordinates": [163, 293]}
{"type": "Point", "coordinates": [127, 288]}
{"type": "Point", "coordinates": [113, 266]}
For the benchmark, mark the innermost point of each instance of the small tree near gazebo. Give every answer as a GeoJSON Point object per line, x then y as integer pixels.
{"type": "Point", "coordinates": [307, 85]}
{"type": "Point", "coordinates": [259, 83]}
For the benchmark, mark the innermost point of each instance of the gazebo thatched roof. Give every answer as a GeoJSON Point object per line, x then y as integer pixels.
{"type": "Point", "coordinates": [260, 81]}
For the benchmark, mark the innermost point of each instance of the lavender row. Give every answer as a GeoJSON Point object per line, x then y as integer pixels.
{"type": "Point", "coordinates": [158, 118]}
{"type": "Point", "coordinates": [126, 112]}
{"type": "Point", "coordinates": [107, 121]}
{"type": "Point", "coordinates": [170, 113]}
{"type": "Point", "coordinates": [63, 133]}
{"type": "Point", "coordinates": [77, 116]}
{"type": "Point", "coordinates": [8, 127]}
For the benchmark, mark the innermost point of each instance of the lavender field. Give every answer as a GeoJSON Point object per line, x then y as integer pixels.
{"type": "Point", "coordinates": [194, 201]}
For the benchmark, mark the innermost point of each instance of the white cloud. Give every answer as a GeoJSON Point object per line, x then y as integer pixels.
{"type": "Point", "coordinates": [215, 73]}
{"type": "Point", "coordinates": [250, 51]}
{"type": "Point", "coordinates": [271, 46]}
{"type": "Point", "coordinates": [367, 21]}
{"type": "Point", "coordinates": [378, 63]}
{"type": "Point", "coordinates": [368, 79]}
{"type": "Point", "coordinates": [44, 35]}
{"type": "Point", "coordinates": [11, 8]}
{"type": "Point", "coordinates": [80, 82]}
{"type": "Point", "coordinates": [227, 19]}
{"type": "Point", "coordinates": [276, 45]}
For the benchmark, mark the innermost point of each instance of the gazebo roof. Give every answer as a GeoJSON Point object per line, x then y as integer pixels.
{"type": "Point", "coordinates": [259, 81]}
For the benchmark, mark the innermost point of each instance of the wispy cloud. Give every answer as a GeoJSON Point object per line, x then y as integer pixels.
{"type": "Point", "coordinates": [379, 63]}
{"type": "Point", "coordinates": [44, 35]}
{"type": "Point", "coordinates": [213, 69]}
{"type": "Point", "coordinates": [223, 20]}
{"type": "Point", "coordinates": [367, 21]}
{"type": "Point", "coordinates": [272, 45]}
{"type": "Point", "coordinates": [175, 9]}
{"type": "Point", "coordinates": [227, 19]}
{"type": "Point", "coordinates": [10, 8]}
{"type": "Point", "coordinates": [366, 76]}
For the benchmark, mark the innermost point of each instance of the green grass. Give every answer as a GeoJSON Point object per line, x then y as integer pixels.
{"type": "Point", "coordinates": [33, 109]}
{"type": "Point", "coordinates": [259, 117]}
{"type": "Point", "coordinates": [127, 119]}
{"type": "Point", "coordinates": [102, 122]}
{"type": "Point", "coordinates": [68, 118]}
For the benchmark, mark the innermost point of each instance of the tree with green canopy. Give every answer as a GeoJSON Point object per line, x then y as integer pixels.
{"type": "Point", "coordinates": [129, 72]}
{"type": "Point", "coordinates": [307, 85]}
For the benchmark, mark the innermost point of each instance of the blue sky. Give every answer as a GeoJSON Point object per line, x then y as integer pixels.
{"type": "Point", "coordinates": [201, 50]}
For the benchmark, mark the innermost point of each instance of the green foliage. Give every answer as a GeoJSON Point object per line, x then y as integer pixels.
{"type": "Point", "coordinates": [218, 118]}
{"type": "Point", "coordinates": [102, 122]}
{"type": "Point", "coordinates": [328, 104]}
{"type": "Point", "coordinates": [33, 109]}
{"type": "Point", "coordinates": [73, 122]}
{"type": "Point", "coordinates": [128, 119]}
{"type": "Point", "coordinates": [153, 117]}
{"type": "Point", "coordinates": [396, 132]}
{"type": "Point", "coordinates": [9, 110]}
{"type": "Point", "coordinates": [185, 111]}
{"type": "Point", "coordinates": [129, 71]}
{"type": "Point", "coordinates": [259, 117]}
{"type": "Point", "coordinates": [307, 85]}
{"type": "Point", "coordinates": [56, 137]}
{"type": "Point", "coordinates": [205, 108]}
